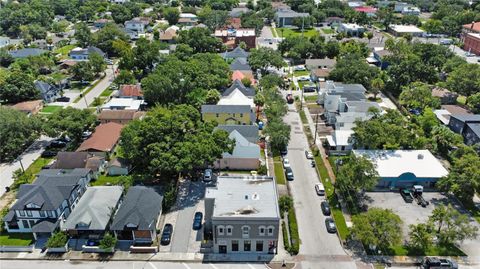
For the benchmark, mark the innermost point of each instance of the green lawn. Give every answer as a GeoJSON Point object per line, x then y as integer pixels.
{"type": "Point", "coordinates": [274, 33]}
{"type": "Point", "coordinates": [37, 165]}
{"type": "Point", "coordinates": [288, 32]}
{"type": "Point", "coordinates": [461, 100]}
{"type": "Point", "coordinates": [51, 109]}
{"type": "Point", "coordinates": [107, 92]}
{"type": "Point", "coordinates": [16, 239]}
{"type": "Point", "coordinates": [449, 250]}
{"type": "Point", "coordinates": [310, 98]}
{"type": "Point", "coordinates": [328, 30]}
{"type": "Point", "coordinates": [64, 50]}
{"type": "Point", "coordinates": [301, 73]}
{"type": "Point", "coordinates": [106, 180]}
{"type": "Point", "coordinates": [278, 170]}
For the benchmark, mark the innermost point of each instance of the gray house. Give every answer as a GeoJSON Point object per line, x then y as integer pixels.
{"type": "Point", "coordinates": [48, 91]}
{"type": "Point", "coordinates": [93, 214]}
{"type": "Point", "coordinates": [235, 53]}
{"type": "Point", "coordinates": [245, 155]}
{"type": "Point", "coordinates": [80, 54]}
{"type": "Point", "coordinates": [285, 17]}
{"type": "Point", "coordinates": [242, 214]}
{"type": "Point", "coordinates": [240, 64]}
{"type": "Point", "coordinates": [41, 206]}
{"type": "Point", "coordinates": [27, 52]}
{"type": "Point", "coordinates": [138, 216]}
{"type": "Point", "coordinates": [466, 125]}
{"type": "Point", "coordinates": [249, 132]}
{"type": "Point", "coordinates": [237, 84]}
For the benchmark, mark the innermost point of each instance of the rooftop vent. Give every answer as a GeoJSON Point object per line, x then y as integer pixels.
{"type": "Point", "coordinates": [246, 197]}
{"type": "Point", "coordinates": [420, 156]}
{"type": "Point", "coordinates": [255, 196]}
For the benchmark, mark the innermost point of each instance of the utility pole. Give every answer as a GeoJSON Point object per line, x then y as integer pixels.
{"type": "Point", "coordinates": [301, 98]}
{"type": "Point", "coordinates": [316, 126]}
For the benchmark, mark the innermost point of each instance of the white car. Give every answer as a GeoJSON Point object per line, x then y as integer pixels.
{"type": "Point", "coordinates": [308, 154]}
{"type": "Point", "coordinates": [320, 189]}
{"type": "Point", "coordinates": [299, 68]}
{"type": "Point", "coordinates": [286, 162]}
{"type": "Point", "coordinates": [303, 78]}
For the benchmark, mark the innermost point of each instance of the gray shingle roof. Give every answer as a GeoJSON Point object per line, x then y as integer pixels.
{"type": "Point", "coordinates": [95, 208]}
{"type": "Point", "coordinates": [45, 88]}
{"type": "Point", "coordinates": [235, 53]}
{"type": "Point", "coordinates": [240, 64]}
{"type": "Point", "coordinates": [466, 117]}
{"type": "Point", "coordinates": [250, 132]}
{"type": "Point", "coordinates": [475, 128]}
{"type": "Point", "coordinates": [24, 53]}
{"type": "Point", "coordinates": [243, 148]}
{"type": "Point", "coordinates": [45, 226]}
{"type": "Point", "coordinates": [141, 207]}
{"type": "Point", "coordinates": [237, 84]}
{"type": "Point", "coordinates": [226, 109]}
{"type": "Point", "coordinates": [87, 51]}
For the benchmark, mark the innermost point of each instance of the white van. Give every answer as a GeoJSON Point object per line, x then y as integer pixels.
{"type": "Point", "coordinates": [320, 189]}
{"type": "Point", "coordinates": [207, 176]}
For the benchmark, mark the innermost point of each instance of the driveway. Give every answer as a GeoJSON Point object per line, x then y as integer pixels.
{"type": "Point", "coordinates": [266, 39]}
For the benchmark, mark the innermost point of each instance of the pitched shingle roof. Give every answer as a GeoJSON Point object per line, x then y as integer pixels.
{"type": "Point", "coordinates": [240, 64]}
{"type": "Point", "coordinates": [141, 207]}
{"type": "Point", "coordinates": [250, 132]}
{"type": "Point", "coordinates": [237, 84]}
{"type": "Point", "coordinates": [24, 53]}
{"type": "Point", "coordinates": [235, 53]}
{"type": "Point", "coordinates": [131, 90]}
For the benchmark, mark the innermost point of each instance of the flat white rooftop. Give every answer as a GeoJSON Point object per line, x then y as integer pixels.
{"type": "Point", "coordinates": [406, 28]}
{"type": "Point", "coordinates": [394, 163]}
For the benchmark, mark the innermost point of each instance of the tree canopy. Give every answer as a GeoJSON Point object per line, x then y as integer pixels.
{"type": "Point", "coordinates": [200, 40]}
{"type": "Point", "coordinates": [356, 173]}
{"type": "Point", "coordinates": [18, 87]}
{"type": "Point", "coordinates": [418, 95]}
{"type": "Point", "coordinates": [69, 122]}
{"type": "Point", "coordinates": [263, 58]}
{"type": "Point", "coordinates": [353, 68]}
{"type": "Point", "coordinates": [173, 140]}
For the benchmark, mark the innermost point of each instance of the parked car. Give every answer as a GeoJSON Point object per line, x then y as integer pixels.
{"type": "Point", "coordinates": [64, 139]}
{"type": "Point", "coordinates": [56, 144]}
{"type": "Point", "coordinates": [290, 98]}
{"type": "Point", "coordinates": [331, 228]}
{"type": "Point", "coordinates": [436, 263]}
{"type": "Point", "coordinates": [289, 173]}
{"type": "Point", "coordinates": [320, 189]}
{"type": "Point", "coordinates": [303, 78]}
{"type": "Point", "coordinates": [48, 153]}
{"type": "Point", "coordinates": [286, 163]}
{"type": "Point", "coordinates": [197, 221]}
{"type": "Point", "coordinates": [207, 176]}
{"type": "Point", "coordinates": [63, 99]}
{"type": "Point", "coordinates": [308, 154]}
{"type": "Point", "coordinates": [284, 151]}
{"type": "Point", "coordinates": [299, 68]}
{"type": "Point", "coordinates": [325, 208]}
{"type": "Point", "coordinates": [407, 195]}
{"type": "Point", "coordinates": [309, 88]}
{"type": "Point", "coordinates": [86, 135]}
{"type": "Point", "coordinates": [166, 234]}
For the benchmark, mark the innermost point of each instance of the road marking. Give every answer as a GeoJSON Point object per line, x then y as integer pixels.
{"type": "Point", "coordinates": [186, 265]}
{"type": "Point", "coordinates": [251, 266]}
{"type": "Point", "coordinates": [214, 267]}
{"type": "Point", "coordinates": [153, 265]}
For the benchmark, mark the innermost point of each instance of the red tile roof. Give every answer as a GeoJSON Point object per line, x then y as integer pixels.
{"type": "Point", "coordinates": [366, 9]}
{"type": "Point", "coordinates": [103, 139]}
{"type": "Point", "coordinates": [131, 90]}
{"type": "Point", "coordinates": [474, 26]}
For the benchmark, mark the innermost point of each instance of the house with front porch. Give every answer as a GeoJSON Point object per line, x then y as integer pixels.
{"type": "Point", "coordinates": [138, 217]}
{"type": "Point", "coordinates": [228, 114]}
{"type": "Point", "coordinates": [41, 207]}
{"type": "Point", "coordinates": [242, 214]}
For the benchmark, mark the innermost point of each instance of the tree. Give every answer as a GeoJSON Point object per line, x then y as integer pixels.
{"type": "Point", "coordinates": [278, 133]}
{"type": "Point", "coordinates": [265, 57]}
{"type": "Point", "coordinates": [97, 62]}
{"type": "Point", "coordinates": [252, 20]}
{"type": "Point", "coordinates": [353, 68]}
{"type": "Point", "coordinates": [17, 132]}
{"type": "Point", "coordinates": [104, 38]}
{"type": "Point", "coordinates": [120, 13]}
{"type": "Point", "coordinates": [124, 77]}
{"type": "Point", "coordinates": [18, 87]}
{"type": "Point", "coordinates": [451, 226]}
{"type": "Point", "coordinates": [172, 15]}
{"type": "Point", "coordinates": [418, 96]}
{"type": "Point", "coordinates": [420, 236]}
{"type": "Point", "coordinates": [69, 122]}
{"type": "Point", "coordinates": [200, 40]}
{"type": "Point", "coordinates": [213, 19]}
{"type": "Point", "coordinates": [433, 26]}
{"type": "Point", "coordinates": [285, 203]}
{"type": "Point", "coordinates": [213, 96]}
{"type": "Point", "coordinates": [108, 241]}
{"type": "Point", "coordinates": [142, 58]}
{"type": "Point", "coordinates": [57, 240]}
{"type": "Point", "coordinates": [356, 173]}
{"type": "Point", "coordinates": [377, 86]}
{"type": "Point", "coordinates": [445, 139]}
{"type": "Point", "coordinates": [304, 22]}
{"type": "Point", "coordinates": [473, 102]}
{"type": "Point", "coordinates": [368, 35]}
{"type": "Point", "coordinates": [82, 71]}
{"type": "Point", "coordinates": [377, 227]}
{"type": "Point", "coordinates": [465, 79]}
{"type": "Point", "coordinates": [182, 142]}
{"type": "Point", "coordinates": [5, 58]}
{"type": "Point", "coordinates": [270, 81]}
{"type": "Point", "coordinates": [464, 177]}
{"type": "Point", "coordinates": [83, 34]}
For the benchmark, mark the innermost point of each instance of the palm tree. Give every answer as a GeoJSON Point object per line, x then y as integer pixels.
{"type": "Point", "coordinates": [377, 86]}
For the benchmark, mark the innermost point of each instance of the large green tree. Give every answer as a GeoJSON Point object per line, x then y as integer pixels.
{"type": "Point", "coordinates": [473, 102]}
{"type": "Point", "coordinates": [69, 122]}
{"type": "Point", "coordinates": [173, 140]}
{"type": "Point", "coordinates": [465, 79]}
{"type": "Point", "coordinates": [18, 87]}
{"type": "Point", "coordinates": [83, 34]}
{"type": "Point", "coordinates": [171, 14]}
{"type": "Point", "coordinates": [265, 57]}
{"type": "Point", "coordinates": [200, 40]}
{"type": "Point", "coordinates": [450, 226]}
{"type": "Point", "coordinates": [421, 236]}
{"type": "Point", "coordinates": [356, 173]}
{"type": "Point", "coordinates": [105, 38]}
{"type": "Point", "coordinates": [17, 132]}
{"type": "Point", "coordinates": [278, 133]}
{"type": "Point", "coordinates": [418, 95]}
{"type": "Point", "coordinates": [353, 68]}
{"type": "Point", "coordinates": [377, 227]}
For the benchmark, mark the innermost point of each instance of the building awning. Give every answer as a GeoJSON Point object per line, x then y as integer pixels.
{"type": "Point", "coordinates": [330, 141]}
{"type": "Point", "coordinates": [45, 226]}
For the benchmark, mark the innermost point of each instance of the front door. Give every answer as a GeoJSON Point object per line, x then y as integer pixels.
{"type": "Point", "coordinates": [222, 249]}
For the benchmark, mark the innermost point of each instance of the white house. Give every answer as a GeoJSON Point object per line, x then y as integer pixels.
{"type": "Point", "coordinates": [236, 97]}
{"type": "Point", "coordinates": [351, 29]}
{"type": "Point", "coordinates": [123, 104]}
{"type": "Point", "coordinates": [400, 30]}
{"type": "Point", "coordinates": [411, 10]}
{"type": "Point", "coordinates": [4, 41]}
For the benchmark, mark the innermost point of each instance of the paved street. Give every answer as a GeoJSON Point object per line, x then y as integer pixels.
{"type": "Point", "coordinates": [266, 39]}
{"type": "Point", "coordinates": [98, 89]}
{"type": "Point", "coordinates": [27, 158]}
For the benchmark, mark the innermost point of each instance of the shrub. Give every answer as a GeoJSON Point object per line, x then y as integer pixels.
{"type": "Point", "coordinates": [169, 197]}
{"type": "Point", "coordinates": [57, 240]}
{"type": "Point", "coordinates": [108, 241]}
{"type": "Point", "coordinates": [285, 203]}
{"type": "Point", "coordinates": [293, 229]}
{"type": "Point", "coordinates": [286, 242]}
{"type": "Point", "coordinates": [3, 213]}
{"type": "Point", "coordinates": [262, 170]}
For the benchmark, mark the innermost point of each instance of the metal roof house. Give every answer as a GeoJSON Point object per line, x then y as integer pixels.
{"type": "Point", "coordinates": [243, 215]}
{"type": "Point", "coordinates": [466, 125]}
{"type": "Point", "coordinates": [235, 53]}
{"type": "Point", "coordinates": [245, 155]}
{"type": "Point", "coordinates": [80, 54]}
{"type": "Point", "coordinates": [138, 216]}
{"type": "Point", "coordinates": [27, 52]}
{"type": "Point", "coordinates": [93, 214]}
{"type": "Point", "coordinates": [285, 17]}
{"type": "Point", "coordinates": [405, 168]}
{"type": "Point", "coordinates": [237, 84]}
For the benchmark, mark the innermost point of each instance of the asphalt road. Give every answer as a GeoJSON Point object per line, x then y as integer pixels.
{"type": "Point", "coordinates": [317, 245]}
{"type": "Point", "coordinates": [121, 265]}
{"type": "Point", "coordinates": [98, 89]}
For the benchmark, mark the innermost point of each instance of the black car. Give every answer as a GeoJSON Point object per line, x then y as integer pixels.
{"type": "Point", "coordinates": [407, 195]}
{"type": "Point", "coordinates": [289, 98]}
{"type": "Point", "coordinates": [325, 208]}
{"type": "Point", "coordinates": [63, 99]}
{"type": "Point", "coordinates": [197, 221]}
{"type": "Point", "coordinates": [48, 153]}
{"type": "Point", "coordinates": [434, 263]}
{"type": "Point", "coordinates": [56, 144]}
{"type": "Point", "coordinates": [289, 173]}
{"type": "Point", "coordinates": [166, 234]}
{"type": "Point", "coordinates": [63, 139]}
{"type": "Point", "coordinates": [331, 228]}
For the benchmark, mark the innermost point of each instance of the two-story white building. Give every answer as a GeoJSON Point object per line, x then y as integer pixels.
{"type": "Point", "coordinates": [136, 27]}
{"type": "Point", "coordinates": [41, 207]}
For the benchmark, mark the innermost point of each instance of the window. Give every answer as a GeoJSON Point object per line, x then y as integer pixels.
{"type": "Point", "coordinates": [22, 213]}
{"type": "Point", "coordinates": [245, 231]}
{"type": "Point", "coordinates": [234, 245]}
{"type": "Point", "coordinates": [229, 230]}
{"type": "Point", "coordinates": [220, 230]}
{"type": "Point", "coordinates": [29, 213]}
{"type": "Point", "coordinates": [50, 214]}
{"type": "Point", "coordinates": [259, 246]}
{"type": "Point", "coordinates": [247, 245]}
{"type": "Point", "coordinates": [261, 230]}
{"type": "Point", "coordinates": [25, 224]}
{"type": "Point", "coordinates": [42, 214]}
{"type": "Point", "coordinates": [270, 230]}
{"type": "Point", "coordinates": [32, 223]}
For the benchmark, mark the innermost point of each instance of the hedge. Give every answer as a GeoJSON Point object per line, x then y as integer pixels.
{"type": "Point", "coordinates": [293, 229]}
{"type": "Point", "coordinates": [286, 242]}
